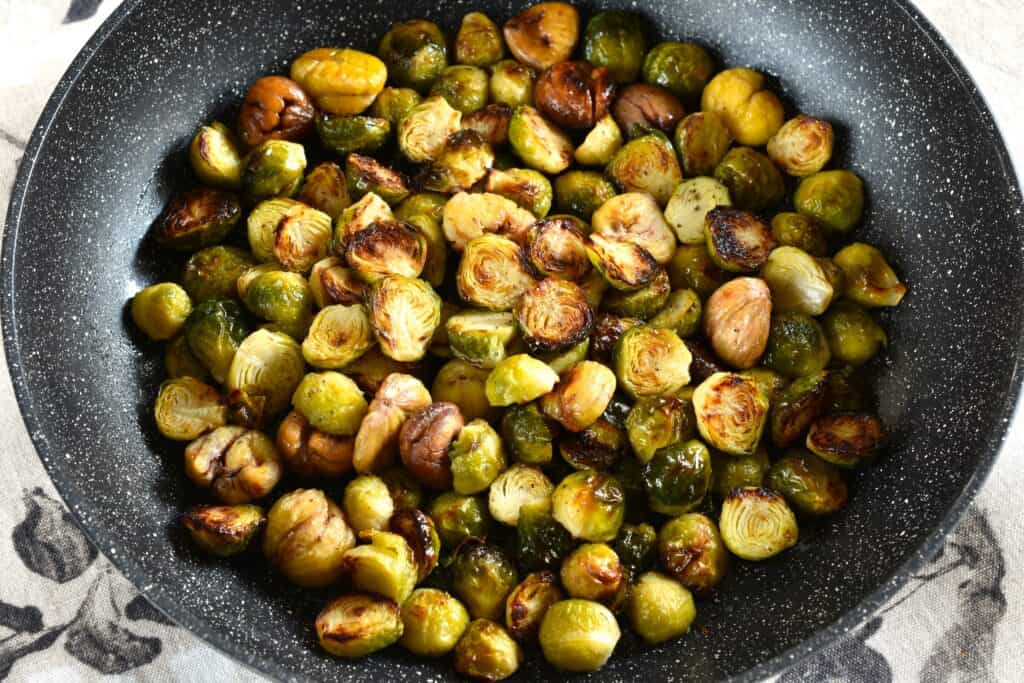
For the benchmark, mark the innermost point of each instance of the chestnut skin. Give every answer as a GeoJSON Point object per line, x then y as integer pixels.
{"type": "Point", "coordinates": [424, 442]}
{"type": "Point", "coordinates": [276, 108]}
{"type": "Point", "coordinates": [647, 105]}
{"type": "Point", "coordinates": [574, 94]}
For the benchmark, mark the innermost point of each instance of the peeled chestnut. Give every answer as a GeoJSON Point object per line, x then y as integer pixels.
{"type": "Point", "coordinates": [276, 108]}
{"type": "Point", "coordinates": [646, 105]}
{"type": "Point", "coordinates": [424, 442]}
{"type": "Point", "coordinates": [574, 94]}
{"type": "Point", "coordinates": [311, 453]}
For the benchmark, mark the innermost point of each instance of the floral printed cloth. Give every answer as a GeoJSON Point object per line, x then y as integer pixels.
{"type": "Point", "coordinates": [66, 615]}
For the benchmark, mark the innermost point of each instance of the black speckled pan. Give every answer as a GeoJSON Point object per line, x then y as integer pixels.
{"type": "Point", "coordinates": [110, 147]}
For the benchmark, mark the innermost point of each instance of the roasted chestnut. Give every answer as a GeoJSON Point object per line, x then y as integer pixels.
{"type": "Point", "coordinates": [276, 108]}
{"type": "Point", "coordinates": [574, 94]}
{"type": "Point", "coordinates": [647, 106]}
{"type": "Point", "coordinates": [424, 441]}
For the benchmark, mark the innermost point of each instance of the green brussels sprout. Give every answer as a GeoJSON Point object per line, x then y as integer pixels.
{"type": "Point", "coordinates": [493, 273]}
{"type": "Point", "coordinates": [681, 68]}
{"type": "Point", "coordinates": [647, 164]}
{"type": "Point", "coordinates": [808, 483]}
{"type": "Point", "coordinates": [519, 379]}
{"type": "Point", "coordinates": [331, 402]}
{"type": "Point", "coordinates": [356, 625]}
{"type": "Point", "coordinates": [364, 213]}
{"type": "Point", "coordinates": [283, 299]}
{"type": "Point", "coordinates": [656, 422]}
{"type": "Point", "coordinates": [392, 104]}
{"type": "Point", "coordinates": [578, 635]}
{"type": "Point", "coordinates": [464, 161]}
{"type": "Point", "coordinates": [463, 384]}
{"type": "Point", "coordinates": [797, 345]}
{"type": "Point", "coordinates": [737, 241]}
{"type": "Point", "coordinates": [636, 545]}
{"type": "Point", "coordinates": [482, 577]}
{"type": "Point", "coordinates": [215, 156]}
{"type": "Point", "coordinates": [465, 87]}
{"type": "Point", "coordinates": [368, 503]}
{"type": "Point", "coordinates": [405, 491]}
{"type": "Point", "coordinates": [601, 143]}
{"type": "Point", "coordinates": [689, 205]}
{"type": "Point", "coordinates": [224, 530]}
{"type": "Point", "coordinates": [179, 361]}
{"type": "Point", "coordinates": [186, 408]}
{"type": "Point", "coordinates": [265, 370]}
{"type": "Point", "coordinates": [348, 134]}
{"type": "Point", "coordinates": [847, 439]}
{"type": "Point", "coordinates": [556, 247]}
{"type": "Point", "coordinates": [414, 53]}
{"type": "Point", "coordinates": [751, 111]}
{"type": "Point", "coordinates": [650, 361]}
{"type": "Point", "coordinates": [553, 315]}
{"type": "Point", "coordinates": [273, 169]}
{"type": "Point", "coordinates": [594, 285]}
{"type": "Point", "coordinates": [429, 204]}
{"type": "Point", "coordinates": [731, 412]}
{"type": "Point", "coordinates": [799, 405]}
{"type": "Point", "coordinates": [404, 312]}
{"type": "Point", "coordinates": [593, 572]}
{"type": "Point", "coordinates": [289, 233]}
{"type": "Point", "coordinates": [338, 336]}
{"type": "Point", "coordinates": [512, 83]}
{"type": "Point", "coordinates": [214, 331]}
{"type": "Point", "coordinates": [581, 193]}
{"type": "Point", "coordinates": [528, 188]}
{"type": "Point", "coordinates": [702, 139]}
{"type": "Point", "coordinates": [870, 280]}
{"type": "Point", "coordinates": [458, 518]}
{"type": "Point", "coordinates": [597, 447]}
{"type": "Point", "coordinates": [161, 311]}
{"type": "Point", "coordinates": [753, 181]}
{"type": "Point", "coordinates": [691, 549]}
{"type": "Point", "coordinates": [517, 487]}
{"type": "Point", "coordinates": [481, 338]}
{"type": "Point", "coordinates": [853, 335]}
{"type": "Point", "coordinates": [770, 382]}
{"type": "Point", "coordinates": [590, 505]}
{"type": "Point", "coordinates": [660, 608]}
{"type": "Point", "coordinates": [213, 273]}
{"type": "Point", "coordinates": [366, 174]}
{"type": "Point", "coordinates": [528, 434]}
{"type": "Point", "coordinates": [331, 284]}
{"type": "Point", "coordinates": [797, 230]}
{"type": "Point", "coordinates": [487, 652]}
{"type": "Point", "coordinates": [538, 142]}
{"type": "Point", "coordinates": [691, 267]}
{"type": "Point", "coordinates": [325, 188]}
{"type": "Point", "coordinates": [846, 390]}
{"type": "Point", "coordinates": [478, 42]}
{"type": "Point", "coordinates": [563, 361]}
{"type": "Point", "coordinates": [433, 622]}
{"type": "Point", "coordinates": [757, 524]}
{"type": "Point", "coordinates": [797, 281]}
{"type": "Point", "coordinates": [477, 456]}
{"type": "Point", "coordinates": [678, 477]}
{"type": "Point", "coordinates": [306, 538]}
{"type": "Point", "coordinates": [835, 199]}
{"type": "Point", "coordinates": [615, 40]}
{"type": "Point", "coordinates": [419, 532]}
{"type": "Point", "coordinates": [681, 314]}
{"type": "Point", "coordinates": [424, 131]}
{"type": "Point", "coordinates": [623, 264]}
{"type": "Point", "coordinates": [385, 566]}
{"type": "Point", "coordinates": [529, 602]}
{"type": "Point", "coordinates": [386, 249]}
{"type": "Point", "coordinates": [642, 303]}
{"type": "Point", "coordinates": [198, 218]}
{"type": "Point", "coordinates": [541, 542]}
{"type": "Point", "coordinates": [802, 146]}
{"type": "Point", "coordinates": [737, 471]}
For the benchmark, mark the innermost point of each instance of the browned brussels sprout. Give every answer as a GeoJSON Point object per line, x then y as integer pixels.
{"type": "Point", "coordinates": [802, 146]}
{"type": "Point", "coordinates": [658, 422]}
{"type": "Point", "coordinates": [642, 303]}
{"type": "Point", "coordinates": [598, 447]}
{"type": "Point", "coordinates": [358, 624]}
{"type": "Point", "coordinates": [529, 602]}
{"type": "Point", "coordinates": [392, 104]}
{"type": "Point", "coordinates": [731, 412]}
{"type": "Point", "coordinates": [754, 182]}
{"type": "Point", "coordinates": [385, 249]}
{"type": "Point", "coordinates": [737, 240]}
{"type": "Point", "coordinates": [738, 471]}
{"type": "Point", "coordinates": [800, 404]}
{"type": "Point", "coordinates": [491, 123]}
{"type": "Point", "coordinates": [574, 95]}
{"type": "Point", "coordinates": [366, 174]}
{"type": "Point", "coordinates": [538, 142]}
{"type": "Point", "coordinates": [197, 219]}
{"type": "Point", "coordinates": [691, 267]}
{"type": "Point", "coordinates": [414, 53]}
{"type": "Point", "coordinates": [757, 524]}
{"type": "Point", "coordinates": [493, 273]}
{"type": "Point", "coordinates": [465, 87]}
{"type": "Point", "coordinates": [512, 83]}
{"type": "Point", "coordinates": [458, 518]}
{"type": "Point", "coordinates": [800, 231]}
{"type": "Point", "coordinates": [590, 505]}
{"type": "Point", "coordinates": [681, 68]}
{"type": "Point", "coordinates": [835, 199]}
{"type": "Point", "coordinates": [529, 189]}
{"type": "Point", "coordinates": [581, 193]}
{"type": "Point", "coordinates": [332, 283]}
{"type": "Point", "coordinates": [810, 484]}
{"type": "Point", "coordinates": [556, 247]}
{"type": "Point", "coordinates": [691, 549]}
{"type": "Point", "coordinates": [623, 264]}
{"type": "Point", "coordinates": [681, 313]}
{"type": "Point", "coordinates": [213, 273]}
{"type": "Point", "coordinates": [593, 572]}
{"type": "Point", "coordinates": [404, 312]}
{"type": "Point", "coordinates": [464, 161]}
{"type": "Point", "coordinates": [651, 362]}
{"type": "Point", "coordinates": [224, 530]}
{"type": "Point", "coordinates": [646, 164]}
{"type": "Point", "coordinates": [419, 533]}
{"type": "Point", "coordinates": [216, 157]}
{"type": "Point", "coordinates": [553, 315]}
{"type": "Point", "coordinates": [870, 281]}
{"type": "Point", "coordinates": [433, 622]}
{"type": "Point", "coordinates": [487, 652]}
{"type": "Point", "coordinates": [544, 34]}
{"type": "Point", "coordinates": [847, 439]}
{"type": "Point", "coordinates": [702, 139]}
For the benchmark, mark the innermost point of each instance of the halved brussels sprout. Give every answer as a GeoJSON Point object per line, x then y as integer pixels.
{"type": "Point", "coordinates": [691, 267]}
{"type": "Point", "coordinates": [493, 273]}
{"type": "Point", "coordinates": [214, 331]}
{"type": "Point", "coordinates": [486, 652]}
{"type": "Point", "coordinates": [367, 503]}
{"type": "Point", "coordinates": [179, 361]}
{"type": "Point", "coordinates": [464, 385]}
{"type": "Point", "coordinates": [689, 205]}
{"type": "Point", "coordinates": [512, 83]}
{"type": "Point", "coordinates": [187, 408]}
{"type": "Point", "coordinates": [213, 273]}
{"type": "Point", "coordinates": [647, 164]}
{"type": "Point", "coordinates": [333, 284]}
{"type": "Point", "coordinates": [578, 635]}
{"type": "Point", "coordinates": [404, 312]}
{"type": "Point", "coordinates": [660, 608]}
{"type": "Point", "coordinates": [529, 602]}
{"type": "Point", "coordinates": [392, 104]}
{"type": "Point", "coordinates": [237, 464]}
{"type": "Point", "coordinates": [273, 169]}
{"type": "Point", "coordinates": [681, 314]}
{"type": "Point", "coordinates": [425, 128]}
{"type": "Point", "coordinates": [657, 422]}
{"type": "Point", "coordinates": [526, 187]}
{"type": "Point", "coordinates": [464, 161]}
{"type": "Point", "coordinates": [797, 281]}
{"type": "Point", "coordinates": [465, 87]}
{"type": "Point", "coordinates": [757, 523]}
{"type": "Point", "coordinates": [870, 280]}
{"type": "Point", "coordinates": [581, 395]}
{"type": "Point", "coordinates": [385, 566]}
{"type": "Point", "coordinates": [553, 315]}
{"type": "Point", "coordinates": [290, 233]}
{"type": "Point", "coordinates": [418, 531]}
{"type": "Point", "coordinates": [376, 443]}
{"type": "Point", "coordinates": [702, 139]}
{"type": "Point", "coordinates": [800, 231]}
{"type": "Point", "coordinates": [517, 487]}
{"type": "Point", "coordinates": [479, 41]}
{"type": "Point", "coordinates": [754, 182]}
{"type": "Point", "coordinates": [635, 217]}
{"type": "Point", "coordinates": [215, 156]}
{"type": "Point", "coordinates": [854, 337]}
{"type": "Point", "coordinates": [847, 439]}
{"type": "Point", "coordinates": [770, 382]}
{"type": "Point", "coordinates": [590, 505]}
{"type": "Point", "coordinates": [574, 94]}
{"type": "Point", "coordinates": [541, 542]}
{"type": "Point", "coordinates": [737, 240]}
{"type": "Point", "coordinates": [360, 216]}
{"type": "Point", "coordinates": [740, 97]}
{"type": "Point", "coordinates": [615, 40]}
{"type": "Point", "coordinates": [802, 146]}
{"type": "Point", "coordinates": [385, 249]}
{"type": "Point", "coordinates": [681, 68]}
{"type": "Point", "coordinates": [331, 402]}
{"type": "Point", "coordinates": [338, 336]}
{"type": "Point", "coordinates": [543, 34]}
{"type": "Point", "coordinates": [266, 369]}
{"type": "Point", "coordinates": [161, 310]}
{"type": "Point", "coordinates": [468, 216]}
{"type": "Point", "coordinates": [519, 379]}
{"type": "Point", "coordinates": [800, 404]}
{"type": "Point", "coordinates": [678, 477]}
{"type": "Point", "coordinates": [197, 219]}
{"type": "Point", "coordinates": [348, 134]}
{"type": "Point", "coordinates": [481, 338]}
{"type": "Point", "coordinates": [366, 174]}
{"type": "Point", "coordinates": [433, 621]}
{"type": "Point", "coordinates": [581, 193]}
{"type": "Point", "coordinates": [224, 530]}
{"type": "Point", "coordinates": [424, 442]}
{"type": "Point", "coordinates": [491, 123]}
{"type": "Point", "coordinates": [477, 456]}
{"type": "Point", "coordinates": [326, 189]}
{"type": "Point", "coordinates": [458, 518]}
{"type": "Point", "coordinates": [642, 303]}
{"type": "Point", "coordinates": [357, 624]}
{"type": "Point", "coordinates": [641, 108]}
{"type": "Point", "coordinates": [810, 484]}
{"type": "Point", "coordinates": [340, 81]}
{"type": "Point", "coordinates": [482, 576]}
{"type": "Point", "coordinates": [310, 453]}
{"type": "Point", "coordinates": [281, 298]}
{"type": "Point", "coordinates": [538, 142]}
{"type": "Point", "coordinates": [625, 265]}
{"type": "Point", "coordinates": [527, 433]}
{"type": "Point", "coordinates": [797, 345]}
{"type": "Point", "coordinates": [731, 412]}
{"type": "Point", "coordinates": [414, 52]}
{"type": "Point", "coordinates": [556, 248]}
{"type": "Point", "coordinates": [691, 549]}
{"type": "Point", "coordinates": [649, 361]}
{"type": "Point", "coordinates": [737, 471]}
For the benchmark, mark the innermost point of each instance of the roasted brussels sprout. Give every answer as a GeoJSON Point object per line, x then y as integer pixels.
{"type": "Point", "coordinates": [186, 408]}
{"type": "Point", "coordinates": [224, 530]}
{"type": "Point", "coordinates": [386, 249]}
{"type": "Point", "coordinates": [598, 447]}
{"type": "Point", "coordinates": [529, 602]}
{"type": "Point", "coordinates": [797, 281]}
{"type": "Point", "coordinates": [651, 362]}
{"type": "Point", "coordinates": [414, 52]}
{"type": "Point", "coordinates": [601, 143]}
{"type": "Point", "coordinates": [543, 34]}
{"type": "Point", "coordinates": [477, 458]}
{"type": "Point", "coordinates": [615, 40]}
{"type": "Point", "coordinates": [581, 396]}
{"type": "Point", "coordinates": [578, 635]}
{"type": "Point", "coordinates": [266, 369]}
{"type": "Point", "coordinates": [487, 652]}
{"type": "Point", "coordinates": [689, 205]}
{"type": "Point", "coordinates": [433, 621]}
{"type": "Point", "coordinates": [590, 505]}
{"type": "Point", "coordinates": [464, 385]}
{"type": "Point", "coordinates": [283, 299]}
{"type": "Point", "coordinates": [770, 382]}
{"type": "Point", "coordinates": [463, 162]}
{"type": "Point", "coordinates": [392, 104]}
{"type": "Point", "coordinates": [404, 312]}
{"type": "Point", "coordinates": [366, 174]}
{"type": "Point", "coordinates": [756, 523]}
{"type": "Point", "coordinates": [289, 233]}
{"type": "Point", "coordinates": [311, 453]}
{"type": "Point", "coordinates": [635, 217]}
{"type": "Point", "coordinates": [737, 471]}
{"type": "Point", "coordinates": [367, 503]}
{"type": "Point", "coordinates": [331, 402]}
{"type": "Point", "coordinates": [702, 140]}
{"type": "Point", "coordinates": [307, 537]}
{"type": "Point", "coordinates": [368, 210]}
{"type": "Point", "coordinates": [870, 280]}
{"type": "Point", "coordinates": [214, 331]}
{"type": "Point", "coordinates": [197, 219]}
{"type": "Point", "coordinates": [528, 434]}
{"type": "Point", "coordinates": [625, 265]}
{"type": "Point", "coordinates": [753, 181]}
{"type": "Point", "coordinates": [529, 189]}
{"type": "Point", "coordinates": [458, 518]}
{"type": "Point", "coordinates": [835, 199]}
{"type": "Point", "coordinates": [215, 156]}
{"type": "Point", "coordinates": [802, 146]}
{"type": "Point", "coordinates": [681, 68]}
{"type": "Point", "coordinates": [273, 169]}
{"type": "Point", "coordinates": [350, 134]}
{"type": "Point", "coordinates": [847, 439]}
{"type": "Point", "coordinates": [678, 477]}
{"type": "Point", "coordinates": [481, 338]}
{"type": "Point", "coordinates": [854, 337]}
{"type": "Point", "coordinates": [429, 204]}
{"type": "Point", "coordinates": [737, 240]}
{"type": "Point", "coordinates": [636, 547]}
{"type": "Point", "coordinates": [338, 336]}
{"type": "Point", "coordinates": [660, 608]}
{"type": "Point", "coordinates": [574, 95]}
{"type": "Point", "coordinates": [737, 321]}
{"type": "Point", "coordinates": [642, 303]}
{"type": "Point", "coordinates": [519, 379]}
{"type": "Point", "coordinates": [357, 624]}
{"type": "Point", "coordinates": [424, 130]}
{"type": "Point", "coordinates": [731, 412]}
{"type": "Point", "coordinates": [808, 483]}
{"type": "Point", "coordinates": [641, 108]}
{"type": "Point", "coordinates": [800, 404]}
{"type": "Point", "coordinates": [681, 314]}
{"type": "Point", "coordinates": [161, 311]}
{"type": "Point", "coordinates": [424, 441]}
{"type": "Point", "coordinates": [797, 345]}
{"type": "Point", "coordinates": [465, 87]}
{"type": "Point", "coordinates": [340, 81]}
{"type": "Point", "coordinates": [593, 572]}
{"type": "Point", "coordinates": [581, 193]}
{"type": "Point", "coordinates": [493, 273]}
{"type": "Point", "coordinates": [800, 231]}
{"type": "Point", "coordinates": [553, 315]}
{"type": "Point", "coordinates": [213, 273]}
{"type": "Point", "coordinates": [436, 264]}
{"type": "Point", "coordinates": [179, 361]}
{"type": "Point", "coordinates": [385, 566]}
{"type": "Point", "coordinates": [478, 42]}
{"type": "Point", "coordinates": [407, 494]}
{"type": "Point", "coordinates": [538, 142]}
{"type": "Point", "coordinates": [490, 123]}
{"type": "Point", "coordinates": [691, 549]}
{"type": "Point", "coordinates": [331, 283]}
{"type": "Point", "coordinates": [512, 83]}
{"type": "Point", "coordinates": [739, 96]}
{"type": "Point", "coordinates": [556, 247]}
{"type": "Point", "coordinates": [326, 189]}
{"type": "Point", "coordinates": [374, 367]}
{"type": "Point", "coordinates": [482, 577]}
{"type": "Point", "coordinates": [657, 422]}
{"type": "Point", "coordinates": [419, 532]}
{"type": "Point", "coordinates": [517, 487]}
{"type": "Point", "coordinates": [647, 164]}
{"type": "Point", "coordinates": [541, 541]}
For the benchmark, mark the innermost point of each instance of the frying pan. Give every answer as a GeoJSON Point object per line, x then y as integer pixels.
{"type": "Point", "coordinates": [109, 149]}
